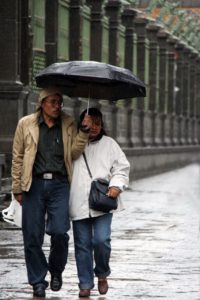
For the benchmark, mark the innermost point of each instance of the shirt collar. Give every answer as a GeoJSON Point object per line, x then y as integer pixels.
{"type": "Point", "coordinates": [41, 120]}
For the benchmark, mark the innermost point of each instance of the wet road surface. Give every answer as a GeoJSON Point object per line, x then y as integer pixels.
{"type": "Point", "coordinates": [155, 245]}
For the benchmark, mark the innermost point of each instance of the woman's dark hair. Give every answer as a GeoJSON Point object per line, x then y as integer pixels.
{"type": "Point", "coordinates": [93, 112]}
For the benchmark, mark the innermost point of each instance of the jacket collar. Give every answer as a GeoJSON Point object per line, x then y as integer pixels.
{"type": "Point", "coordinates": [34, 128]}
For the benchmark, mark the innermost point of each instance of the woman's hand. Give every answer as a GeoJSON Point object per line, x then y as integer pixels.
{"type": "Point", "coordinates": [113, 192]}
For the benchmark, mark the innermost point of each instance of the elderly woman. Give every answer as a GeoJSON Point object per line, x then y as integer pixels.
{"type": "Point", "coordinates": [92, 229]}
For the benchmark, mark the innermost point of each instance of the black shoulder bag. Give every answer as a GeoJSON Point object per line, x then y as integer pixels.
{"type": "Point", "coordinates": [98, 200]}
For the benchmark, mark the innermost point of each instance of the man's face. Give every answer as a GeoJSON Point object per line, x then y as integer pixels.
{"type": "Point", "coordinates": [51, 106]}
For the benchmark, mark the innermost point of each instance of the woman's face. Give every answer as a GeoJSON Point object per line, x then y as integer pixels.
{"type": "Point", "coordinates": [95, 128]}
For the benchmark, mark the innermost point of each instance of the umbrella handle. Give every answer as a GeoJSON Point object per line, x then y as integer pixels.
{"type": "Point", "coordinates": [88, 106]}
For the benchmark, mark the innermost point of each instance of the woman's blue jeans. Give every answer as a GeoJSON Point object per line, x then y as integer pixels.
{"type": "Point", "coordinates": [46, 199]}
{"type": "Point", "coordinates": [92, 238]}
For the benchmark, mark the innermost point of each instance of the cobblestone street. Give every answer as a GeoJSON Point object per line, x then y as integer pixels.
{"type": "Point", "coordinates": [155, 245]}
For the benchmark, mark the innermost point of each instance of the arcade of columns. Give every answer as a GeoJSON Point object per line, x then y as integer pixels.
{"type": "Point", "coordinates": [157, 132]}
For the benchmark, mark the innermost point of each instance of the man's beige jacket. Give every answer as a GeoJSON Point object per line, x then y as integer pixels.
{"type": "Point", "coordinates": [25, 147]}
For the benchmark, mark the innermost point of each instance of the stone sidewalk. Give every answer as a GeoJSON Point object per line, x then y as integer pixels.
{"type": "Point", "coordinates": [155, 243]}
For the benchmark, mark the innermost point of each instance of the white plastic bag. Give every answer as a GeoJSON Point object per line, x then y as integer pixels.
{"type": "Point", "coordinates": [13, 213]}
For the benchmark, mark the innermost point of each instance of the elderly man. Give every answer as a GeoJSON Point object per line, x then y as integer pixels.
{"type": "Point", "coordinates": [44, 146]}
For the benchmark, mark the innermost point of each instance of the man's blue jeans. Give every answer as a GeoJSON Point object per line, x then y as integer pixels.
{"type": "Point", "coordinates": [46, 199]}
{"type": "Point", "coordinates": [92, 235]}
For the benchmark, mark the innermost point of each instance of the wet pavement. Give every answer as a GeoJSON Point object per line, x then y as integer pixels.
{"type": "Point", "coordinates": [155, 245]}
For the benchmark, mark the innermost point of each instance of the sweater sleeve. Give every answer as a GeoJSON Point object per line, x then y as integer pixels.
{"type": "Point", "coordinates": [120, 168]}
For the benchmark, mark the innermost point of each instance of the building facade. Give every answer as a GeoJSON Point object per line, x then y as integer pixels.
{"type": "Point", "coordinates": [158, 132]}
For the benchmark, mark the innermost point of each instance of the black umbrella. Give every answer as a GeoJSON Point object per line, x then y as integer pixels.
{"type": "Point", "coordinates": [91, 79]}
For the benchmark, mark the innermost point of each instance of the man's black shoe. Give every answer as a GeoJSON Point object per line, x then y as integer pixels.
{"type": "Point", "coordinates": [56, 282]}
{"type": "Point", "coordinates": [39, 290]}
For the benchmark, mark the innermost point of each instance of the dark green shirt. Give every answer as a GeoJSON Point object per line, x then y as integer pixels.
{"type": "Point", "coordinates": [50, 152]}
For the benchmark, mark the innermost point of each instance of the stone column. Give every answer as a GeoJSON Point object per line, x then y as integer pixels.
{"type": "Point", "coordinates": [197, 106]}
{"type": "Point", "coordinates": [96, 29]}
{"type": "Point", "coordinates": [162, 94]}
{"type": "Point", "coordinates": [51, 31]}
{"type": "Point", "coordinates": [113, 12]}
{"type": "Point", "coordinates": [75, 40]}
{"type": "Point", "coordinates": [75, 24]}
{"type": "Point", "coordinates": [11, 88]}
{"type": "Point", "coordinates": [179, 91]}
{"type": "Point", "coordinates": [112, 9]}
{"type": "Point", "coordinates": [2, 165]}
{"type": "Point", "coordinates": [128, 17]}
{"type": "Point", "coordinates": [192, 96]}
{"type": "Point", "coordinates": [109, 116]}
{"type": "Point", "coordinates": [186, 86]}
{"type": "Point", "coordinates": [171, 127]}
{"type": "Point", "coordinates": [189, 100]}
{"type": "Point", "coordinates": [141, 120]}
{"type": "Point", "coordinates": [192, 75]}
{"type": "Point", "coordinates": [152, 30]}
{"type": "Point", "coordinates": [27, 44]}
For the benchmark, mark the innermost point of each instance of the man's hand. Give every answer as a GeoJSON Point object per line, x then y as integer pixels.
{"type": "Point", "coordinates": [113, 192]}
{"type": "Point", "coordinates": [87, 122]}
{"type": "Point", "coordinates": [18, 197]}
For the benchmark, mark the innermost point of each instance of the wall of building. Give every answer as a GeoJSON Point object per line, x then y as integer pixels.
{"type": "Point", "coordinates": [157, 132]}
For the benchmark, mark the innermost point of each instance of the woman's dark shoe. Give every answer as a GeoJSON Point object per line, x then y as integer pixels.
{"type": "Point", "coordinates": [39, 290]}
{"type": "Point", "coordinates": [84, 293]}
{"type": "Point", "coordinates": [102, 286]}
{"type": "Point", "coordinates": [56, 282]}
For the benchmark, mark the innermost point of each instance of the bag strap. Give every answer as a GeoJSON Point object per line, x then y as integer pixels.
{"type": "Point", "coordinates": [85, 159]}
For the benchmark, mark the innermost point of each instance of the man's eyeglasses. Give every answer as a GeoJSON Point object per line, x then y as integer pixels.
{"type": "Point", "coordinates": [55, 102]}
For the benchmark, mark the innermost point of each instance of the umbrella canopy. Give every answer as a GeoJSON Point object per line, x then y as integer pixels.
{"type": "Point", "coordinates": [91, 79]}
